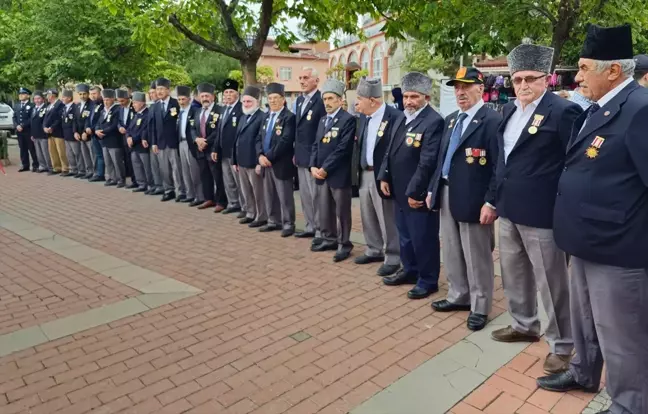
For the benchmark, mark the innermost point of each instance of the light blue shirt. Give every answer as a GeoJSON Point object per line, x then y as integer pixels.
{"type": "Point", "coordinates": [184, 114]}
{"type": "Point", "coordinates": [372, 134]}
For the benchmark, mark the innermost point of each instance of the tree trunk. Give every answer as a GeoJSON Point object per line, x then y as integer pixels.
{"type": "Point", "coordinates": [249, 69]}
{"type": "Point", "coordinates": [568, 11]}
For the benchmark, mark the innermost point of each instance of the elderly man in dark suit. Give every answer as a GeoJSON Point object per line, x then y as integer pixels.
{"type": "Point", "coordinates": [72, 146]}
{"type": "Point", "coordinates": [377, 211]}
{"type": "Point", "coordinates": [107, 131]}
{"type": "Point", "coordinates": [95, 107]}
{"type": "Point", "coordinates": [275, 152]}
{"type": "Point", "coordinates": [137, 139]}
{"type": "Point", "coordinates": [601, 220]}
{"type": "Point", "coordinates": [405, 174]}
{"type": "Point", "coordinates": [52, 125]}
{"type": "Point", "coordinates": [21, 119]}
{"type": "Point", "coordinates": [463, 188]}
{"type": "Point", "coordinates": [187, 149]}
{"type": "Point", "coordinates": [246, 162]}
{"type": "Point", "coordinates": [38, 136]}
{"type": "Point", "coordinates": [330, 165]}
{"type": "Point", "coordinates": [81, 116]}
{"type": "Point", "coordinates": [532, 139]}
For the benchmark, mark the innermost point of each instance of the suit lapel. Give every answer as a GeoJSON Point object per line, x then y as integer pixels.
{"type": "Point", "coordinates": [300, 102]}
{"type": "Point", "coordinates": [475, 123]}
{"type": "Point", "coordinates": [543, 109]}
{"type": "Point", "coordinates": [412, 125]}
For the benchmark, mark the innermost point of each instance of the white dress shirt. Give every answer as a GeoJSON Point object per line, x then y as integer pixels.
{"type": "Point", "coordinates": [609, 96]}
{"type": "Point", "coordinates": [208, 110]}
{"type": "Point", "coordinates": [410, 118]}
{"type": "Point", "coordinates": [125, 115]}
{"type": "Point", "coordinates": [107, 110]}
{"type": "Point", "coordinates": [307, 98]}
{"type": "Point", "coordinates": [165, 103]}
{"type": "Point", "coordinates": [516, 124]}
{"type": "Point", "coordinates": [372, 134]}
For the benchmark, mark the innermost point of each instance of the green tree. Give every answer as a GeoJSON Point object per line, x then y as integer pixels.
{"type": "Point", "coordinates": [264, 75]}
{"type": "Point", "coordinates": [209, 67]}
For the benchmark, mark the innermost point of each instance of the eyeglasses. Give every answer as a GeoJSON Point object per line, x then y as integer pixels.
{"type": "Point", "coordinates": [528, 79]}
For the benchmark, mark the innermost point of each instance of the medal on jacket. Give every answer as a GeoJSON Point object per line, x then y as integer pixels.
{"type": "Point", "coordinates": [593, 150]}
{"type": "Point", "coordinates": [139, 122]}
{"type": "Point", "coordinates": [234, 121]}
{"type": "Point", "coordinates": [482, 157]}
{"type": "Point", "coordinates": [451, 123]}
{"type": "Point", "coordinates": [278, 129]}
{"type": "Point", "coordinates": [381, 129]}
{"type": "Point", "coordinates": [469, 157]}
{"type": "Point", "coordinates": [537, 120]}
{"type": "Point", "coordinates": [327, 138]}
{"type": "Point", "coordinates": [173, 111]}
{"type": "Point", "coordinates": [309, 116]}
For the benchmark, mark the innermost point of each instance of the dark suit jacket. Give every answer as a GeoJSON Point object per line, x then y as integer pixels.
{"type": "Point", "coordinates": [164, 132]}
{"type": "Point", "coordinates": [281, 144]}
{"type": "Point", "coordinates": [211, 128]}
{"type": "Point", "coordinates": [22, 116]}
{"type": "Point", "coordinates": [69, 122]}
{"type": "Point", "coordinates": [81, 117]}
{"type": "Point", "coordinates": [53, 119]}
{"type": "Point", "coordinates": [110, 127]}
{"type": "Point", "coordinates": [138, 130]}
{"type": "Point", "coordinates": [601, 211]}
{"type": "Point", "coordinates": [527, 182]}
{"type": "Point", "coordinates": [306, 127]}
{"type": "Point", "coordinates": [38, 116]}
{"type": "Point", "coordinates": [129, 117]}
{"type": "Point", "coordinates": [391, 117]}
{"type": "Point", "coordinates": [188, 130]}
{"type": "Point", "coordinates": [409, 167]}
{"type": "Point", "coordinates": [95, 112]}
{"type": "Point", "coordinates": [245, 154]}
{"type": "Point", "coordinates": [225, 143]}
{"type": "Point", "coordinates": [333, 149]}
{"type": "Point", "coordinates": [473, 165]}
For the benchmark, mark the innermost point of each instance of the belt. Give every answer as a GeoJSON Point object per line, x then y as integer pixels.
{"type": "Point", "coordinates": [444, 181]}
{"type": "Point", "coordinates": [369, 168]}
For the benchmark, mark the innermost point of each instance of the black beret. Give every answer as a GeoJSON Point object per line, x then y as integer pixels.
{"type": "Point", "coordinates": [230, 84]}
{"type": "Point", "coordinates": [164, 82]}
{"type": "Point", "coordinates": [206, 88]}
{"type": "Point", "coordinates": [252, 91]}
{"type": "Point", "coordinates": [183, 91]}
{"type": "Point", "coordinates": [608, 43]}
{"type": "Point", "coordinates": [122, 94]}
{"type": "Point", "coordinates": [82, 87]}
{"type": "Point", "coordinates": [275, 88]}
{"type": "Point", "coordinates": [108, 93]}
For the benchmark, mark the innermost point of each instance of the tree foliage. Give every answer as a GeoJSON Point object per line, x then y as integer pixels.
{"type": "Point", "coordinates": [264, 75]}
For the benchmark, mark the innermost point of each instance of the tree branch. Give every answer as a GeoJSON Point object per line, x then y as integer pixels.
{"type": "Point", "coordinates": [226, 16]}
{"type": "Point", "coordinates": [264, 27]}
{"type": "Point", "coordinates": [542, 11]}
{"type": "Point", "coordinates": [173, 19]}
{"type": "Point", "coordinates": [232, 6]}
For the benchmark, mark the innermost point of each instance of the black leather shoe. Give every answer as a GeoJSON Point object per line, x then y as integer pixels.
{"type": "Point", "coordinates": [23, 169]}
{"type": "Point", "coordinates": [196, 203]}
{"type": "Point", "coordinates": [246, 220]}
{"type": "Point", "coordinates": [324, 246]}
{"type": "Point", "coordinates": [241, 215]}
{"type": "Point", "coordinates": [42, 171]}
{"type": "Point", "coordinates": [476, 321]}
{"type": "Point", "coordinates": [121, 184]}
{"type": "Point", "coordinates": [401, 278]}
{"type": "Point", "coordinates": [269, 227]}
{"type": "Point", "coordinates": [418, 292]}
{"type": "Point", "coordinates": [89, 176]}
{"type": "Point", "coordinates": [316, 241]}
{"type": "Point", "coordinates": [168, 196]}
{"type": "Point", "coordinates": [364, 259]}
{"type": "Point", "coordinates": [159, 191]}
{"type": "Point", "coordinates": [256, 224]}
{"type": "Point", "coordinates": [562, 382]}
{"type": "Point", "coordinates": [53, 172]}
{"type": "Point", "coordinates": [79, 175]}
{"type": "Point", "coordinates": [287, 232]}
{"type": "Point", "coordinates": [447, 306]}
{"type": "Point", "coordinates": [180, 198]}
{"type": "Point", "coordinates": [140, 190]}
{"type": "Point", "coordinates": [304, 234]}
{"type": "Point", "coordinates": [341, 255]}
{"type": "Point", "coordinates": [386, 270]}
{"type": "Point", "coordinates": [66, 174]}
{"type": "Point", "coordinates": [96, 179]}
{"type": "Point", "coordinates": [34, 169]}
{"type": "Point", "coordinates": [132, 186]}
{"type": "Point", "coordinates": [110, 183]}
{"type": "Point", "coordinates": [186, 200]}
{"type": "Point", "coordinates": [229, 210]}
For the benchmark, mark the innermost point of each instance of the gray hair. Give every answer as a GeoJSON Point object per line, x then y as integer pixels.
{"type": "Point", "coordinates": [313, 71]}
{"type": "Point", "coordinates": [627, 65]}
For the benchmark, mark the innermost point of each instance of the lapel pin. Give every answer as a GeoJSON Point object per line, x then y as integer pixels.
{"type": "Point", "coordinates": [475, 121]}
{"type": "Point", "coordinates": [607, 113]}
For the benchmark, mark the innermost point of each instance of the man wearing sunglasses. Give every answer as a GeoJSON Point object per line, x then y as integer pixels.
{"type": "Point", "coordinates": [533, 138]}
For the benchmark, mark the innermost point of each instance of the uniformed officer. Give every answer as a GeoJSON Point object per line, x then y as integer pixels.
{"type": "Point", "coordinates": [464, 189]}
{"type": "Point", "coordinates": [532, 140]}
{"type": "Point", "coordinates": [601, 220]}
{"type": "Point", "coordinates": [165, 140]}
{"type": "Point", "coordinates": [187, 147]}
{"type": "Point", "coordinates": [275, 152]}
{"type": "Point", "coordinates": [641, 70]}
{"type": "Point", "coordinates": [377, 211]}
{"type": "Point", "coordinates": [52, 125]}
{"type": "Point", "coordinates": [126, 115]}
{"type": "Point", "coordinates": [205, 134]}
{"type": "Point", "coordinates": [38, 136]}
{"type": "Point", "coordinates": [309, 111]}
{"type": "Point", "coordinates": [85, 142]}
{"type": "Point", "coordinates": [72, 146]}
{"type": "Point", "coordinates": [96, 109]}
{"type": "Point", "coordinates": [330, 165]}
{"type": "Point", "coordinates": [22, 123]}
{"type": "Point", "coordinates": [406, 171]}
{"type": "Point", "coordinates": [107, 130]}
{"type": "Point", "coordinates": [137, 138]}
{"type": "Point", "coordinates": [246, 161]}
{"type": "Point", "coordinates": [224, 145]}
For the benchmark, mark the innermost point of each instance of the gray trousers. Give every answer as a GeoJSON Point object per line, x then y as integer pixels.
{"type": "Point", "coordinates": [378, 221]}
{"type": "Point", "coordinates": [115, 168]}
{"type": "Point", "coordinates": [609, 310]}
{"type": "Point", "coordinates": [531, 261]}
{"type": "Point", "coordinates": [156, 171]}
{"type": "Point", "coordinates": [308, 197]}
{"type": "Point", "coordinates": [467, 259]}
{"type": "Point", "coordinates": [42, 153]}
{"type": "Point", "coordinates": [252, 191]}
{"type": "Point", "coordinates": [142, 168]}
{"type": "Point", "coordinates": [190, 173]}
{"type": "Point", "coordinates": [171, 171]}
{"type": "Point", "coordinates": [334, 205]}
{"type": "Point", "coordinates": [231, 181]}
{"type": "Point", "coordinates": [75, 159]}
{"type": "Point", "coordinates": [88, 155]}
{"type": "Point", "coordinates": [279, 199]}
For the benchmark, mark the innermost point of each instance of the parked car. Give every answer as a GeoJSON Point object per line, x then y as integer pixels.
{"type": "Point", "coordinates": [6, 118]}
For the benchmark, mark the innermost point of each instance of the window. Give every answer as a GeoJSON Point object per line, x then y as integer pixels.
{"type": "Point", "coordinates": [333, 62]}
{"type": "Point", "coordinates": [377, 62]}
{"type": "Point", "coordinates": [353, 57]}
{"type": "Point", "coordinates": [343, 60]}
{"type": "Point", "coordinates": [285, 73]}
{"type": "Point", "coordinates": [364, 60]}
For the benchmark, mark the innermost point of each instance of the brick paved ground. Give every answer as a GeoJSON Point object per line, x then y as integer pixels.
{"type": "Point", "coordinates": [278, 330]}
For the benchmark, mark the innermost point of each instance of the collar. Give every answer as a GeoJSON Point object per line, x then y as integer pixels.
{"type": "Point", "coordinates": [277, 113]}
{"type": "Point", "coordinates": [310, 95]}
{"type": "Point", "coordinates": [231, 106]}
{"type": "Point", "coordinates": [25, 102]}
{"type": "Point", "coordinates": [142, 110]}
{"type": "Point", "coordinates": [614, 92]}
{"type": "Point", "coordinates": [474, 109]}
{"type": "Point", "coordinates": [67, 106]}
{"type": "Point", "coordinates": [111, 107]}
{"type": "Point", "coordinates": [412, 117]}
{"type": "Point", "coordinates": [334, 114]}
{"type": "Point", "coordinates": [166, 101]}
{"type": "Point", "coordinates": [253, 112]}
{"type": "Point", "coordinates": [380, 112]}
{"type": "Point", "coordinates": [209, 108]}
{"type": "Point", "coordinates": [534, 103]}
{"type": "Point", "coordinates": [185, 108]}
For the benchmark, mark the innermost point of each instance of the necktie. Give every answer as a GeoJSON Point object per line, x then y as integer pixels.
{"type": "Point", "coordinates": [203, 124]}
{"type": "Point", "coordinates": [304, 105]}
{"type": "Point", "coordinates": [268, 135]}
{"type": "Point", "coordinates": [365, 133]}
{"type": "Point", "coordinates": [329, 120]}
{"type": "Point", "coordinates": [227, 112]}
{"type": "Point", "coordinates": [592, 110]}
{"type": "Point", "coordinates": [164, 107]}
{"type": "Point", "coordinates": [454, 143]}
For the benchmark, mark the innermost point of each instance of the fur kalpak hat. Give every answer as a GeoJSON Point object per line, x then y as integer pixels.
{"type": "Point", "coordinates": [369, 88]}
{"type": "Point", "coordinates": [139, 97]}
{"type": "Point", "coordinates": [416, 82]}
{"type": "Point", "coordinates": [530, 57]}
{"type": "Point", "coordinates": [607, 43]}
{"type": "Point", "coordinates": [333, 86]}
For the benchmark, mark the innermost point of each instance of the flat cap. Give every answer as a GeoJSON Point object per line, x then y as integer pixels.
{"type": "Point", "coordinates": [369, 88]}
{"type": "Point", "coordinates": [206, 88]}
{"type": "Point", "coordinates": [24, 90]}
{"type": "Point", "coordinates": [252, 91]}
{"type": "Point", "coordinates": [530, 57]}
{"type": "Point", "coordinates": [122, 93]}
{"type": "Point", "coordinates": [108, 93]}
{"type": "Point", "coordinates": [183, 91]}
{"type": "Point", "coordinates": [417, 82]}
{"type": "Point", "coordinates": [333, 86]}
{"type": "Point", "coordinates": [139, 97]}
{"type": "Point", "coordinates": [607, 43]}
{"type": "Point", "coordinates": [82, 87]}
{"type": "Point", "coordinates": [230, 84]}
{"type": "Point", "coordinates": [163, 82]}
{"type": "Point", "coordinates": [68, 93]}
{"type": "Point", "coordinates": [277, 88]}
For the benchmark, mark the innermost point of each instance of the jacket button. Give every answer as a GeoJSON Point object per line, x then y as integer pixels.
{"type": "Point", "coordinates": [559, 193]}
{"type": "Point", "coordinates": [565, 169]}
